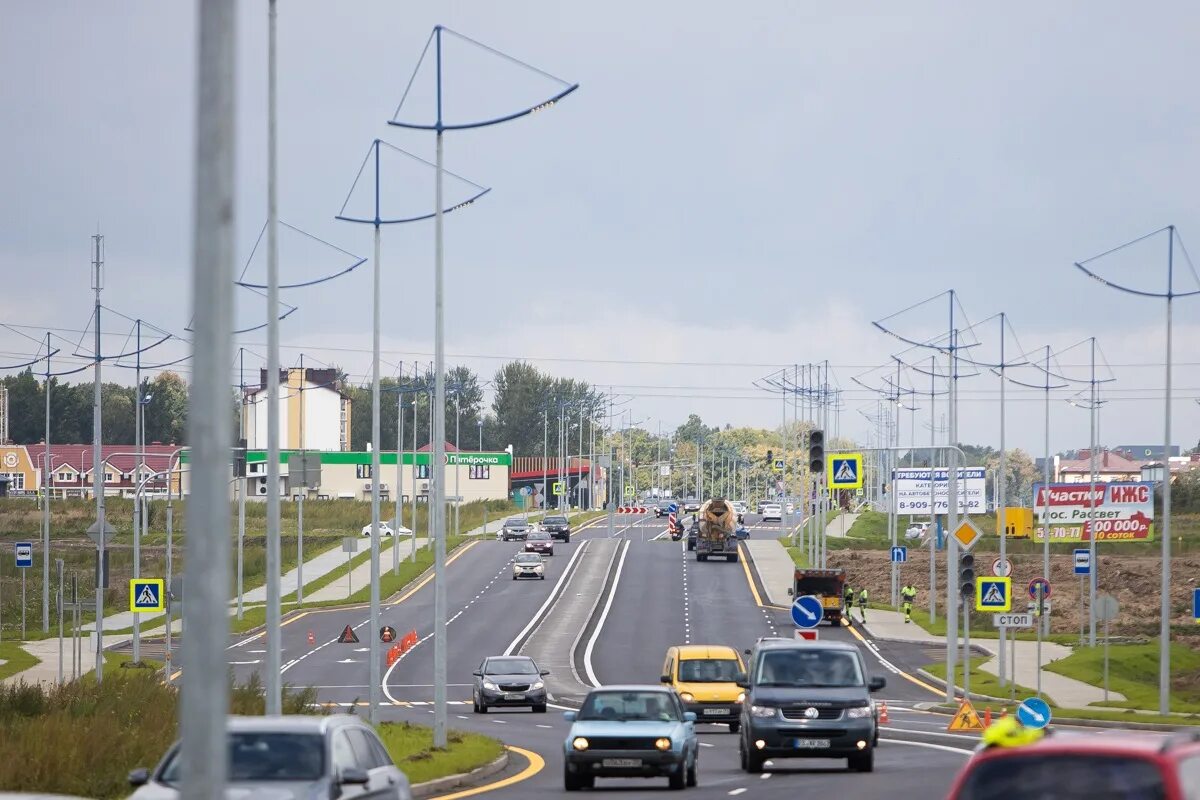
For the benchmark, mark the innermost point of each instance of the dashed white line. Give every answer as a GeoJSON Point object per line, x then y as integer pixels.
{"type": "Point", "coordinates": [737, 791]}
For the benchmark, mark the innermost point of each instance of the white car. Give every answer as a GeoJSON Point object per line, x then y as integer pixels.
{"type": "Point", "coordinates": [528, 565]}
{"type": "Point", "coordinates": [386, 529]}
{"type": "Point", "coordinates": [772, 511]}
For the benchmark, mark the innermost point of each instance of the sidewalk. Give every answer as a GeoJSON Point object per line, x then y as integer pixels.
{"type": "Point", "coordinates": [1066, 692]}
{"type": "Point", "coordinates": [360, 576]}
{"type": "Point", "coordinates": [46, 651]}
{"type": "Point", "coordinates": [841, 525]}
{"type": "Point", "coordinates": [775, 569]}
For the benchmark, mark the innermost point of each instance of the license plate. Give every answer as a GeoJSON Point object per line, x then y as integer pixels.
{"type": "Point", "coordinates": [621, 762]}
{"type": "Point", "coordinates": [716, 711]}
{"type": "Point", "coordinates": [811, 744]}
{"type": "Point", "coordinates": [830, 602]}
{"type": "Point", "coordinates": [520, 696]}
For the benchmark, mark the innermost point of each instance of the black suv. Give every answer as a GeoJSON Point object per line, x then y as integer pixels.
{"type": "Point", "coordinates": [808, 700]}
{"type": "Point", "coordinates": [558, 528]}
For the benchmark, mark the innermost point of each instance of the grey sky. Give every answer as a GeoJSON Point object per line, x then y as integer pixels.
{"type": "Point", "coordinates": [749, 183]}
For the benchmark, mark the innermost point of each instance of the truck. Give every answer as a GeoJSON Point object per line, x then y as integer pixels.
{"type": "Point", "coordinates": [717, 536]}
{"type": "Point", "coordinates": [827, 585]}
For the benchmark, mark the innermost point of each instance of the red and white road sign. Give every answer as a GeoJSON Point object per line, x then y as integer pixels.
{"type": "Point", "coordinates": [632, 510]}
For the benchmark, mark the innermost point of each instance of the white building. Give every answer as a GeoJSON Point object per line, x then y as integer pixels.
{"type": "Point", "coordinates": [314, 414]}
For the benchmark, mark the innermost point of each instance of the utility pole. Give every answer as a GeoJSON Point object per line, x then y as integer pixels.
{"type": "Point", "coordinates": [97, 461]}
{"type": "Point", "coordinates": [47, 471]}
{"type": "Point", "coordinates": [274, 661]}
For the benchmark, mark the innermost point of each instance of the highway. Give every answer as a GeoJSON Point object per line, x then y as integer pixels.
{"type": "Point", "coordinates": [634, 595]}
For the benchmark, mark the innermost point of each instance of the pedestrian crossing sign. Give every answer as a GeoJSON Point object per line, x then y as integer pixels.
{"type": "Point", "coordinates": [147, 594]}
{"type": "Point", "coordinates": [845, 471]}
{"type": "Point", "coordinates": [993, 594]}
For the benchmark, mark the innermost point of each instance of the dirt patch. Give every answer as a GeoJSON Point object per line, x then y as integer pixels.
{"type": "Point", "coordinates": [1134, 580]}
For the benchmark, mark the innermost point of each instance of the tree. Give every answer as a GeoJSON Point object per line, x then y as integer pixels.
{"type": "Point", "coordinates": [165, 416]}
{"type": "Point", "coordinates": [1021, 472]}
{"type": "Point", "coordinates": [522, 395]}
{"type": "Point", "coordinates": [26, 408]}
{"type": "Point", "coordinates": [694, 430]}
{"type": "Point", "coordinates": [117, 414]}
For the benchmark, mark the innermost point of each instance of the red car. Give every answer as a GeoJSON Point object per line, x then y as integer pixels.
{"type": "Point", "coordinates": [1091, 766]}
{"type": "Point", "coordinates": [539, 543]}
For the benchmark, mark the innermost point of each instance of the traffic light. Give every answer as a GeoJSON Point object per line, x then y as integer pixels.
{"type": "Point", "coordinates": [239, 459]}
{"type": "Point", "coordinates": [816, 452]}
{"type": "Point", "coordinates": [966, 575]}
{"type": "Point", "coordinates": [770, 456]}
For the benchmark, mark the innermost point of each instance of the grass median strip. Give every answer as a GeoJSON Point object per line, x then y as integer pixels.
{"type": "Point", "coordinates": [13, 660]}
{"type": "Point", "coordinates": [1133, 671]}
{"type": "Point", "coordinates": [411, 747]}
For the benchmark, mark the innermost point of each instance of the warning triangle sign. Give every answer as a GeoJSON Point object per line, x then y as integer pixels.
{"type": "Point", "coordinates": [845, 473]}
{"type": "Point", "coordinates": [147, 597]}
{"type": "Point", "coordinates": [965, 719]}
{"type": "Point", "coordinates": [348, 636]}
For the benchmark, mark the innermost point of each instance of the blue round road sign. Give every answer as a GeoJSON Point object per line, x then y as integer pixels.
{"type": "Point", "coordinates": [1033, 587]}
{"type": "Point", "coordinates": [1034, 713]}
{"type": "Point", "coordinates": [672, 508]}
{"type": "Point", "coordinates": [807, 611]}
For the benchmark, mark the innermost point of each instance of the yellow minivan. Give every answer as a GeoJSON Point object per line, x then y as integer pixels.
{"type": "Point", "coordinates": [704, 676]}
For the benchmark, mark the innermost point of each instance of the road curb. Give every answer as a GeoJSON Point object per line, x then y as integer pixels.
{"type": "Point", "coordinates": [440, 785]}
{"type": "Point", "coordinates": [1068, 721]}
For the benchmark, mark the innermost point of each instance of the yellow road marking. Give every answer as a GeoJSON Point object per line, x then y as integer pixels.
{"type": "Point", "coordinates": [932, 689]}
{"type": "Point", "coordinates": [536, 764]}
{"type": "Point", "coordinates": [750, 580]}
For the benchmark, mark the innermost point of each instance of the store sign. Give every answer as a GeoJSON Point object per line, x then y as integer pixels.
{"type": "Point", "coordinates": [1118, 511]}
{"type": "Point", "coordinates": [911, 487]}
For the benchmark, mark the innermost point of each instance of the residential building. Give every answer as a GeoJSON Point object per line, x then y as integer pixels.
{"type": "Point", "coordinates": [1110, 466]}
{"type": "Point", "coordinates": [314, 412]}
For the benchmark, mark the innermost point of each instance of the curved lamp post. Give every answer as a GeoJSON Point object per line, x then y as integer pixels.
{"type": "Point", "coordinates": [438, 456]}
{"type": "Point", "coordinates": [1164, 658]}
{"type": "Point", "coordinates": [378, 221]}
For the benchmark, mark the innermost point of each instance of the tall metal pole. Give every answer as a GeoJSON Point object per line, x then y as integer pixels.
{"type": "Point", "coordinates": [545, 456]}
{"type": "Point", "coordinates": [376, 467]}
{"type": "Point", "coordinates": [412, 553]}
{"type": "Point", "coordinates": [1091, 523]}
{"type": "Point", "coordinates": [59, 563]}
{"type": "Point", "coordinates": [274, 660]}
{"type": "Point", "coordinates": [47, 471]}
{"type": "Point", "coordinates": [398, 491]}
{"type": "Point", "coordinates": [439, 441]}
{"type": "Point", "coordinates": [137, 473]}
{"type": "Point", "coordinates": [893, 521]}
{"type": "Point", "coordinates": [97, 462]}
{"type": "Point", "coordinates": [205, 699]}
{"type": "Point", "coordinates": [933, 521]}
{"type": "Point", "coordinates": [241, 485]}
{"type": "Point", "coordinates": [457, 459]}
{"type": "Point", "coordinates": [1164, 632]}
{"type": "Point", "coordinates": [1045, 622]}
{"type": "Point", "coordinates": [167, 669]}
{"type": "Point", "coordinates": [1001, 499]}
{"type": "Point", "coordinates": [952, 585]}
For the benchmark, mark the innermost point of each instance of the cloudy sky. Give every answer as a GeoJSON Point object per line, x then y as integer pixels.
{"type": "Point", "coordinates": [734, 188]}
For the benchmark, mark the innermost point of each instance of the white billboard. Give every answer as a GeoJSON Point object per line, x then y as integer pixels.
{"type": "Point", "coordinates": [910, 488]}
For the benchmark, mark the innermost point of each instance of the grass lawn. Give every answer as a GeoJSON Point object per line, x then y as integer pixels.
{"type": "Point", "coordinates": [411, 747]}
{"type": "Point", "coordinates": [14, 659]}
{"type": "Point", "coordinates": [981, 626]}
{"type": "Point", "coordinates": [1133, 671]}
{"type": "Point", "coordinates": [982, 682]}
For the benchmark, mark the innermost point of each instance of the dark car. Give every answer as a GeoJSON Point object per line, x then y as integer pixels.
{"type": "Point", "coordinates": [558, 528]}
{"type": "Point", "coordinates": [539, 543]}
{"type": "Point", "coordinates": [1092, 766]}
{"type": "Point", "coordinates": [509, 682]}
{"type": "Point", "coordinates": [807, 700]}
{"type": "Point", "coordinates": [663, 508]}
{"type": "Point", "coordinates": [692, 534]}
{"type": "Point", "coordinates": [515, 529]}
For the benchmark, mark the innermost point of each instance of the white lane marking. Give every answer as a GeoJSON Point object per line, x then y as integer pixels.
{"type": "Point", "coordinates": [737, 791]}
{"type": "Point", "coordinates": [707, 744]}
{"type": "Point", "coordinates": [508, 651]}
{"type": "Point", "coordinates": [959, 736]}
{"type": "Point", "coordinates": [499, 722]}
{"type": "Point", "coordinates": [765, 775]}
{"type": "Point", "coordinates": [930, 746]}
{"type": "Point", "coordinates": [242, 663]}
{"type": "Point", "coordinates": [540, 726]}
{"type": "Point", "coordinates": [587, 653]}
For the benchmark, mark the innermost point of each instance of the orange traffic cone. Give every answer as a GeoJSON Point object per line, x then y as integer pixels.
{"type": "Point", "coordinates": [883, 714]}
{"type": "Point", "coordinates": [312, 637]}
{"type": "Point", "coordinates": [987, 717]}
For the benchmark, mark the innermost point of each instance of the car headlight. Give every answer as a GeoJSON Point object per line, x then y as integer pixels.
{"type": "Point", "coordinates": [537, 685]}
{"type": "Point", "coordinates": [491, 687]}
{"type": "Point", "coordinates": [859, 712]}
{"type": "Point", "coordinates": [687, 697]}
{"type": "Point", "coordinates": [580, 743]}
{"type": "Point", "coordinates": [663, 743]}
{"type": "Point", "coordinates": [763, 712]}
{"type": "Point", "coordinates": [741, 697]}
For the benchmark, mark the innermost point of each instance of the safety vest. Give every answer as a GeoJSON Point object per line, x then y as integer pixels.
{"type": "Point", "coordinates": [863, 596]}
{"type": "Point", "coordinates": [909, 593]}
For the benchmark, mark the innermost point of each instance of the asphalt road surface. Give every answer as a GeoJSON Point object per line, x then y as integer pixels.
{"type": "Point", "coordinates": [662, 596]}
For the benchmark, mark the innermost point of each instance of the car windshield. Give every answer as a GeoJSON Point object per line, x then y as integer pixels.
{"type": "Point", "coordinates": [1065, 777]}
{"type": "Point", "coordinates": [529, 558]}
{"type": "Point", "coordinates": [510, 666]}
{"type": "Point", "coordinates": [536, 537]}
{"type": "Point", "coordinates": [627, 706]}
{"type": "Point", "coordinates": [266, 756]}
{"type": "Point", "coordinates": [811, 667]}
{"type": "Point", "coordinates": [556, 521]}
{"type": "Point", "coordinates": [708, 670]}
{"type": "Point", "coordinates": [514, 523]}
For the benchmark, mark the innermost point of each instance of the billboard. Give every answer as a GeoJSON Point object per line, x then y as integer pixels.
{"type": "Point", "coordinates": [1122, 511]}
{"type": "Point", "coordinates": [910, 488]}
